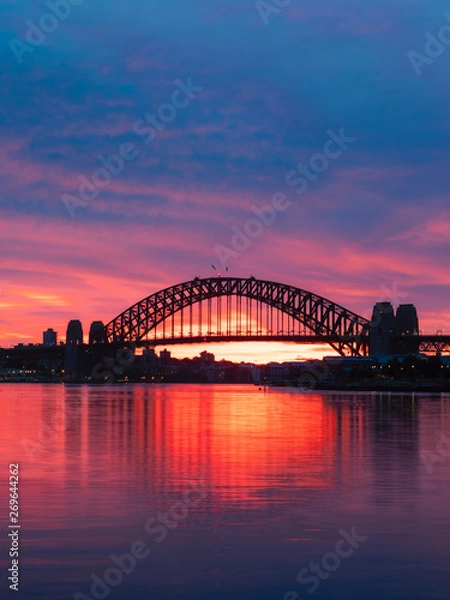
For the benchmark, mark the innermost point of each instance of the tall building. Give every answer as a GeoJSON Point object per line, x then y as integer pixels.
{"type": "Point", "coordinates": [49, 338]}
{"type": "Point", "coordinates": [97, 333]}
{"type": "Point", "coordinates": [407, 321]}
{"type": "Point", "coordinates": [74, 333]}
{"type": "Point", "coordinates": [386, 325]}
{"type": "Point", "coordinates": [381, 329]}
{"type": "Point", "coordinates": [73, 357]}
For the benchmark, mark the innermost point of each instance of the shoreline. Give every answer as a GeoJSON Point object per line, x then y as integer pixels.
{"type": "Point", "coordinates": [359, 386]}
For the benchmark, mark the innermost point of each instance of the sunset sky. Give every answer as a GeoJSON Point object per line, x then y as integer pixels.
{"type": "Point", "coordinates": [373, 225]}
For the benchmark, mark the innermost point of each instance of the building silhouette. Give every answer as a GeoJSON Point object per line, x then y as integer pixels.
{"type": "Point", "coordinates": [97, 333]}
{"type": "Point", "coordinates": [73, 358]}
{"type": "Point", "coordinates": [386, 324]}
{"type": "Point", "coordinates": [407, 321]}
{"type": "Point", "coordinates": [49, 338]}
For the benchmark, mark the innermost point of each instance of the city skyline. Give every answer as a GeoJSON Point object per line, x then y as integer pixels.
{"type": "Point", "coordinates": [259, 351]}
{"type": "Point", "coordinates": [227, 310]}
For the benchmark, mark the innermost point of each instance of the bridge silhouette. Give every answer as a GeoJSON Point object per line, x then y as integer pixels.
{"type": "Point", "coordinates": [229, 309]}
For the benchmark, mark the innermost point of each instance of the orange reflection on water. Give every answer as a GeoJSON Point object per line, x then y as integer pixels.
{"type": "Point", "coordinates": [233, 437]}
{"type": "Point", "coordinates": [142, 439]}
{"type": "Point", "coordinates": [237, 438]}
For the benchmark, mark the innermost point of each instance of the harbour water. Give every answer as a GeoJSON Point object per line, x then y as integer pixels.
{"type": "Point", "coordinates": [228, 492]}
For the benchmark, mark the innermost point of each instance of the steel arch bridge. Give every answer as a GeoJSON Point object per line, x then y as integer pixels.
{"type": "Point", "coordinates": [224, 309]}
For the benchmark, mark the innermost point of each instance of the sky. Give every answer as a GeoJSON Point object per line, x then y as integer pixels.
{"type": "Point", "coordinates": [210, 110]}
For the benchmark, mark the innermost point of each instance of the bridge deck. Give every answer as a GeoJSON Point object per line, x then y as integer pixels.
{"type": "Point", "coordinates": [424, 343]}
{"type": "Point", "coordinates": [202, 339]}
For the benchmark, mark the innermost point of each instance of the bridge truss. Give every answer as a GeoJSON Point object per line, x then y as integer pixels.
{"type": "Point", "coordinates": [437, 344]}
{"type": "Point", "coordinates": [235, 309]}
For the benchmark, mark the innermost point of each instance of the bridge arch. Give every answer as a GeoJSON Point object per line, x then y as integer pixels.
{"type": "Point", "coordinates": [325, 321]}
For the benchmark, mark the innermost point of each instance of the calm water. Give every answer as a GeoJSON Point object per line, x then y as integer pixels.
{"type": "Point", "coordinates": [282, 474]}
